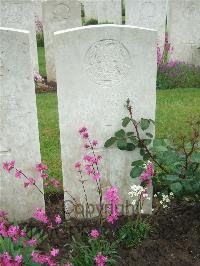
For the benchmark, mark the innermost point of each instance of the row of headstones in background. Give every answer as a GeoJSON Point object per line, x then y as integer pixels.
{"type": "Point", "coordinates": [19, 138]}
{"type": "Point", "coordinates": [92, 89]}
{"type": "Point", "coordinates": [18, 14]}
{"type": "Point", "coordinates": [103, 10]}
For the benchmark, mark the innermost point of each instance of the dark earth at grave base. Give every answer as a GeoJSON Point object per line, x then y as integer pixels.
{"type": "Point", "coordinates": [174, 239]}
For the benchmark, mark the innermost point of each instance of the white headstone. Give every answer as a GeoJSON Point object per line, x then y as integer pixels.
{"type": "Point", "coordinates": [184, 30]}
{"type": "Point", "coordinates": [98, 68]}
{"type": "Point", "coordinates": [38, 10]}
{"type": "Point", "coordinates": [148, 14]}
{"type": "Point", "coordinates": [18, 14]}
{"type": "Point", "coordinates": [58, 15]}
{"type": "Point", "coordinates": [19, 139]}
{"type": "Point", "coordinates": [110, 11]}
{"type": "Point", "coordinates": [90, 9]}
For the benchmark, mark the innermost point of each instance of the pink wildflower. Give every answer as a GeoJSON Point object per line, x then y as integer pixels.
{"type": "Point", "coordinates": [96, 176]}
{"type": "Point", "coordinates": [18, 259]}
{"type": "Point", "coordinates": [41, 167]}
{"type": "Point", "coordinates": [112, 197]}
{"type": "Point", "coordinates": [29, 182]}
{"type": "Point", "coordinates": [100, 260]}
{"type": "Point", "coordinates": [55, 182]}
{"type": "Point", "coordinates": [8, 166]}
{"type": "Point", "coordinates": [94, 142]}
{"type": "Point", "coordinates": [67, 264]}
{"type": "Point", "coordinates": [86, 146]}
{"type": "Point", "coordinates": [3, 214]}
{"type": "Point", "coordinates": [44, 176]}
{"type": "Point", "coordinates": [32, 242]}
{"type": "Point", "coordinates": [94, 233]}
{"type": "Point", "coordinates": [18, 173]}
{"type": "Point", "coordinates": [54, 252]}
{"type": "Point", "coordinates": [146, 177]}
{"type": "Point", "coordinates": [77, 165]}
{"type": "Point", "coordinates": [58, 219]}
{"type": "Point", "coordinates": [41, 216]}
{"type": "Point", "coordinates": [88, 169]}
{"type": "Point", "coordinates": [82, 130]}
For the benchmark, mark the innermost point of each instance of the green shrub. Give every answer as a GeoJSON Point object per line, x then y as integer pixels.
{"type": "Point", "coordinates": [178, 75]}
{"type": "Point", "coordinates": [132, 233]}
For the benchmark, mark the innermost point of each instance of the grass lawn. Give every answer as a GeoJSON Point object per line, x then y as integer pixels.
{"type": "Point", "coordinates": [41, 59]}
{"type": "Point", "coordinates": [174, 108]}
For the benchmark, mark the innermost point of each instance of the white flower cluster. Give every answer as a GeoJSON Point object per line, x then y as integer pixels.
{"type": "Point", "coordinates": [137, 193]}
{"type": "Point", "coordinates": [164, 199]}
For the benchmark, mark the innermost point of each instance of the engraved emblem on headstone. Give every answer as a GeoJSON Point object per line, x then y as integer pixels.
{"type": "Point", "coordinates": [107, 63]}
{"type": "Point", "coordinates": [62, 11]}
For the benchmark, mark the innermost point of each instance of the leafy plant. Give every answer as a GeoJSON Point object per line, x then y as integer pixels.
{"type": "Point", "coordinates": [91, 21]}
{"type": "Point", "coordinates": [176, 162]}
{"type": "Point", "coordinates": [132, 233]}
{"type": "Point", "coordinates": [84, 251]}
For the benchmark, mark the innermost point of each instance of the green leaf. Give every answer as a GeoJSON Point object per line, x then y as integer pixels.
{"type": "Point", "coordinates": [176, 187]}
{"type": "Point", "coordinates": [129, 134]}
{"type": "Point", "coordinates": [120, 134]}
{"type": "Point", "coordinates": [125, 121]}
{"type": "Point", "coordinates": [195, 157]}
{"type": "Point", "coordinates": [147, 142]}
{"type": "Point", "coordinates": [122, 144]}
{"type": "Point", "coordinates": [142, 152]}
{"type": "Point", "coordinates": [136, 171]}
{"type": "Point", "coordinates": [149, 135]}
{"type": "Point", "coordinates": [171, 178]}
{"type": "Point", "coordinates": [146, 157]}
{"type": "Point", "coordinates": [110, 142]}
{"type": "Point", "coordinates": [134, 140]}
{"type": "Point", "coordinates": [137, 163]}
{"type": "Point", "coordinates": [130, 147]}
{"type": "Point", "coordinates": [145, 123]}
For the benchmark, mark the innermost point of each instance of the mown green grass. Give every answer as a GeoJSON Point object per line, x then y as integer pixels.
{"type": "Point", "coordinates": [174, 108]}
{"type": "Point", "coordinates": [41, 59]}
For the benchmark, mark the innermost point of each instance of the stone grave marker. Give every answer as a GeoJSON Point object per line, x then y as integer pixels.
{"type": "Point", "coordinates": [18, 14]}
{"type": "Point", "coordinates": [98, 68]}
{"type": "Point", "coordinates": [58, 15]}
{"type": "Point", "coordinates": [19, 138]}
{"type": "Point", "coordinates": [184, 30]}
{"type": "Point", "coordinates": [148, 14]}
{"type": "Point", "coordinates": [110, 11]}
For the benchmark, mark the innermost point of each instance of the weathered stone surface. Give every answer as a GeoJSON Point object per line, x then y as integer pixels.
{"type": "Point", "coordinates": [18, 14]}
{"type": "Point", "coordinates": [38, 9]}
{"type": "Point", "coordinates": [19, 139]}
{"type": "Point", "coordinates": [109, 11]}
{"type": "Point", "coordinates": [184, 30]}
{"type": "Point", "coordinates": [90, 9]}
{"type": "Point", "coordinates": [98, 68]}
{"type": "Point", "coordinates": [58, 15]}
{"type": "Point", "coordinates": [148, 14]}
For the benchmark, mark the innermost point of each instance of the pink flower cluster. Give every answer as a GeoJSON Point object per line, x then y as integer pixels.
{"type": "Point", "coordinates": [41, 216]}
{"type": "Point", "coordinates": [113, 198]}
{"type": "Point", "coordinates": [94, 233]}
{"type": "Point", "coordinates": [8, 166]}
{"type": "Point", "coordinates": [45, 259]}
{"type": "Point", "coordinates": [146, 177]}
{"type": "Point", "coordinates": [6, 260]}
{"type": "Point", "coordinates": [91, 162]}
{"type": "Point", "coordinates": [100, 259]}
{"type": "Point", "coordinates": [42, 168]}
